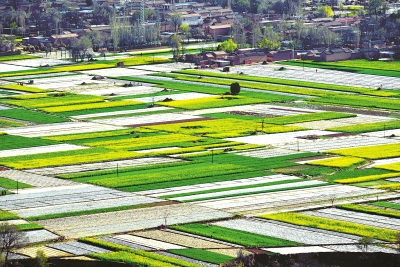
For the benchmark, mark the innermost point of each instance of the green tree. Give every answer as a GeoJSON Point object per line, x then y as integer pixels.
{"type": "Point", "coordinates": [185, 29]}
{"type": "Point", "coordinates": [235, 88]}
{"type": "Point", "coordinates": [269, 44]}
{"type": "Point", "coordinates": [364, 243]}
{"type": "Point", "coordinates": [324, 12]}
{"type": "Point", "coordinates": [228, 46]}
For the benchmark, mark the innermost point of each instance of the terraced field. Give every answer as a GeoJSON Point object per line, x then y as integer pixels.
{"type": "Point", "coordinates": [152, 168]}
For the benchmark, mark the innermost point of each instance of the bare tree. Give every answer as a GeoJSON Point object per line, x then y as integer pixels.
{"type": "Point", "coordinates": [10, 238]}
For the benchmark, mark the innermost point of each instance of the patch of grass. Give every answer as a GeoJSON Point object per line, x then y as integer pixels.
{"type": "Point", "coordinates": [32, 116]}
{"type": "Point", "coordinates": [345, 174]}
{"type": "Point", "coordinates": [29, 226]}
{"type": "Point", "coordinates": [16, 57]}
{"type": "Point", "coordinates": [101, 110]}
{"type": "Point", "coordinates": [23, 88]}
{"type": "Point", "coordinates": [333, 225]}
{"type": "Point", "coordinates": [91, 106]}
{"type": "Point", "coordinates": [202, 255]}
{"type": "Point", "coordinates": [11, 184]}
{"type": "Point", "coordinates": [233, 236]}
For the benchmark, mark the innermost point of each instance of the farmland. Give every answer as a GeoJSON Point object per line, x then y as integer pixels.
{"type": "Point", "coordinates": [159, 165]}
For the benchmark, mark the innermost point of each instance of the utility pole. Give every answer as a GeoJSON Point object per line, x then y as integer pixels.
{"type": "Point", "coordinates": [141, 22]}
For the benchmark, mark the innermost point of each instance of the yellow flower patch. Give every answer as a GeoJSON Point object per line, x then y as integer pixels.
{"type": "Point", "coordinates": [367, 178]}
{"type": "Point", "coordinates": [223, 128]}
{"type": "Point", "coordinates": [340, 162]}
{"type": "Point", "coordinates": [370, 152]}
{"type": "Point", "coordinates": [212, 102]}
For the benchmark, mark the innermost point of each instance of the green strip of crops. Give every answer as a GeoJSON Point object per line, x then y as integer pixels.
{"type": "Point", "coordinates": [203, 180]}
{"type": "Point", "coordinates": [6, 215]}
{"type": "Point", "coordinates": [32, 116]}
{"type": "Point", "coordinates": [370, 210]}
{"type": "Point", "coordinates": [202, 255]}
{"type": "Point", "coordinates": [333, 225]}
{"type": "Point", "coordinates": [353, 69]}
{"type": "Point", "coordinates": [345, 174]}
{"type": "Point", "coordinates": [11, 184]}
{"type": "Point", "coordinates": [29, 226]}
{"type": "Point", "coordinates": [293, 180]}
{"type": "Point", "coordinates": [256, 192]}
{"type": "Point", "coordinates": [360, 101]}
{"type": "Point", "coordinates": [14, 142]}
{"type": "Point", "coordinates": [233, 236]}
{"type": "Point", "coordinates": [171, 174]}
{"type": "Point", "coordinates": [16, 57]}
{"type": "Point", "coordinates": [368, 127]}
{"type": "Point", "coordinates": [10, 123]}
{"type": "Point", "coordinates": [386, 205]}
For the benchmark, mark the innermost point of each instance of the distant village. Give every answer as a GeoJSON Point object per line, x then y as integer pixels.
{"type": "Point", "coordinates": [261, 31]}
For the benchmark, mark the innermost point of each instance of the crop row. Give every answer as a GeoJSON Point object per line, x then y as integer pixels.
{"type": "Point", "coordinates": [385, 204]}
{"type": "Point", "coordinates": [6, 215]}
{"type": "Point", "coordinates": [15, 142]}
{"type": "Point", "coordinates": [279, 81]}
{"type": "Point", "coordinates": [222, 128]}
{"type": "Point", "coordinates": [367, 178]}
{"type": "Point", "coordinates": [32, 116]}
{"type": "Point", "coordinates": [11, 184]}
{"type": "Point", "coordinates": [23, 88]}
{"type": "Point", "coordinates": [171, 174]}
{"type": "Point", "coordinates": [96, 105]}
{"type": "Point", "coordinates": [333, 225]}
{"type": "Point", "coordinates": [370, 152]}
{"type": "Point", "coordinates": [52, 100]}
{"type": "Point", "coordinates": [80, 136]}
{"type": "Point", "coordinates": [361, 101]}
{"type": "Point", "coordinates": [202, 255]}
{"type": "Point", "coordinates": [389, 186]}
{"type": "Point", "coordinates": [368, 127]}
{"type": "Point", "coordinates": [340, 162]}
{"type": "Point", "coordinates": [370, 210]}
{"type": "Point", "coordinates": [233, 236]}
{"type": "Point", "coordinates": [66, 158]}
{"type": "Point", "coordinates": [9, 123]}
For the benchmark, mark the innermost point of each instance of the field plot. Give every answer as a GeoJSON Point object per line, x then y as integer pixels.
{"type": "Point", "coordinates": [11, 68]}
{"type": "Point", "coordinates": [57, 83]}
{"type": "Point", "coordinates": [114, 90]}
{"type": "Point", "coordinates": [181, 96]}
{"type": "Point", "coordinates": [2, 107]}
{"type": "Point", "coordinates": [357, 217]}
{"type": "Point", "coordinates": [148, 120]}
{"type": "Point", "coordinates": [337, 143]}
{"type": "Point", "coordinates": [50, 252]}
{"type": "Point", "coordinates": [38, 62]}
{"type": "Point", "coordinates": [59, 129]}
{"type": "Point", "coordinates": [63, 199]}
{"type": "Point", "coordinates": [282, 139]}
{"type": "Point", "coordinates": [34, 179]}
{"type": "Point", "coordinates": [165, 67]}
{"type": "Point", "coordinates": [121, 112]}
{"type": "Point", "coordinates": [102, 165]}
{"type": "Point", "coordinates": [267, 153]}
{"type": "Point", "coordinates": [31, 116]}
{"type": "Point", "coordinates": [39, 149]}
{"type": "Point", "coordinates": [327, 124]}
{"type": "Point", "coordinates": [184, 239]}
{"type": "Point", "coordinates": [323, 76]}
{"type": "Point", "coordinates": [261, 109]}
{"type": "Point", "coordinates": [148, 242]}
{"type": "Point", "coordinates": [393, 134]}
{"type": "Point", "coordinates": [286, 231]}
{"type": "Point", "coordinates": [247, 191]}
{"type": "Point", "coordinates": [78, 248]}
{"type": "Point", "coordinates": [39, 236]}
{"type": "Point", "coordinates": [124, 243]}
{"type": "Point", "coordinates": [296, 250]}
{"type": "Point", "coordinates": [124, 221]}
{"type": "Point", "coordinates": [281, 200]}
{"type": "Point", "coordinates": [112, 72]}
{"type": "Point", "coordinates": [216, 185]}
